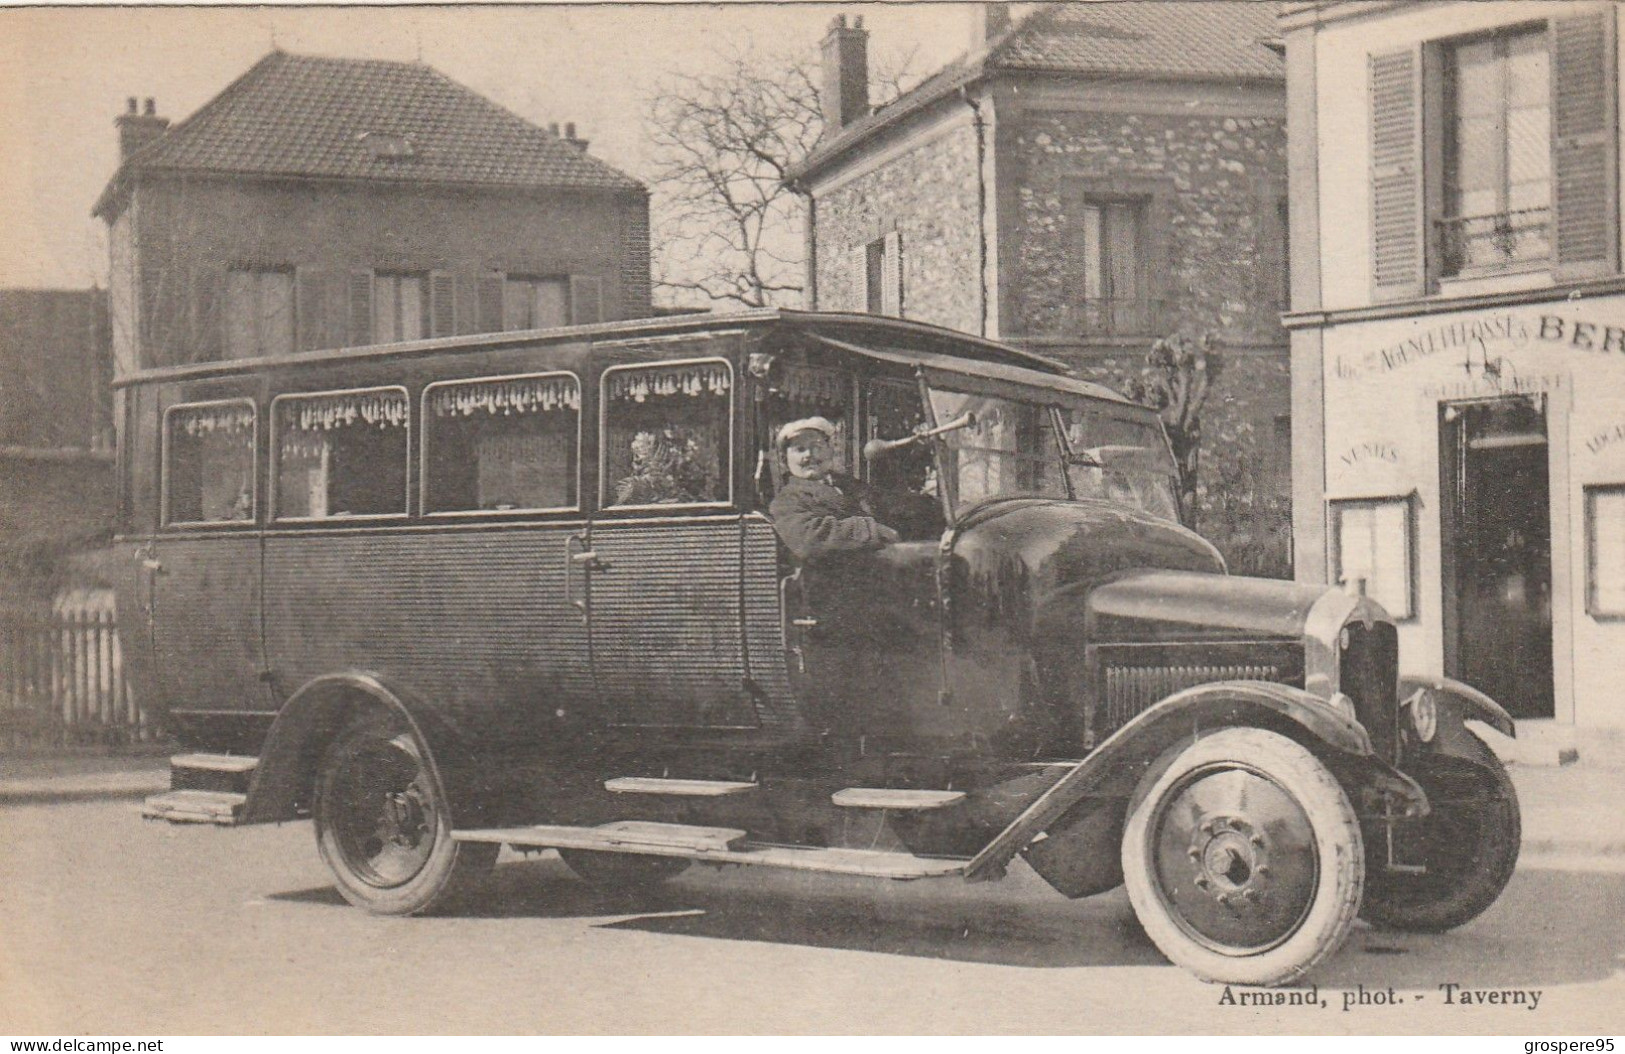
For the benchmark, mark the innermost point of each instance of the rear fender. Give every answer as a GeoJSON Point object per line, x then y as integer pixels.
{"type": "Point", "coordinates": [283, 786]}
{"type": "Point", "coordinates": [1115, 769]}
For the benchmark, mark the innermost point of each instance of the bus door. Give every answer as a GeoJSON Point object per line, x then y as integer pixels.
{"type": "Point", "coordinates": [202, 571]}
{"type": "Point", "coordinates": [660, 572]}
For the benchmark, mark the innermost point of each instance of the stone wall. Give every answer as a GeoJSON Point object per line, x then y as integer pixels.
{"type": "Point", "coordinates": [1212, 187]}
{"type": "Point", "coordinates": [930, 195]}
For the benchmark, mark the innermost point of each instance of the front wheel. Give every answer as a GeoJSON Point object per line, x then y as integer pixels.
{"type": "Point", "coordinates": [1243, 859]}
{"type": "Point", "coordinates": [382, 824]}
{"type": "Point", "coordinates": [1467, 844]}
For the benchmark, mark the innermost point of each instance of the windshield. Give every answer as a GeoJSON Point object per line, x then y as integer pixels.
{"type": "Point", "coordinates": [1009, 449]}
{"type": "Point", "coordinates": [1120, 459]}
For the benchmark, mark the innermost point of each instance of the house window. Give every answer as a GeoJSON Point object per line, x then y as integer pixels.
{"type": "Point", "coordinates": [1605, 551]}
{"type": "Point", "coordinates": [208, 463]}
{"type": "Point", "coordinates": [341, 454]}
{"type": "Point", "coordinates": [399, 308]}
{"type": "Point", "coordinates": [535, 303]}
{"type": "Point", "coordinates": [259, 312]}
{"type": "Point", "coordinates": [879, 275]}
{"type": "Point", "coordinates": [666, 434]}
{"type": "Point", "coordinates": [1111, 258]}
{"type": "Point", "coordinates": [1373, 551]}
{"type": "Point", "coordinates": [1497, 164]}
{"type": "Point", "coordinates": [502, 444]}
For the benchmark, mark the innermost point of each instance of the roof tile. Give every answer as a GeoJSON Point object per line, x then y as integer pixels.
{"type": "Point", "coordinates": [300, 115]}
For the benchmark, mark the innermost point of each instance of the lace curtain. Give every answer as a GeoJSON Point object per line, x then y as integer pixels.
{"type": "Point", "coordinates": [226, 419]}
{"type": "Point", "coordinates": [703, 378]}
{"type": "Point", "coordinates": [321, 413]}
{"type": "Point", "coordinates": [520, 396]}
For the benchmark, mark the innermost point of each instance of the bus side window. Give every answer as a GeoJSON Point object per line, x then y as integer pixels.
{"type": "Point", "coordinates": [501, 444]}
{"type": "Point", "coordinates": [341, 454]}
{"type": "Point", "coordinates": [667, 434]}
{"type": "Point", "coordinates": [797, 392]}
{"type": "Point", "coordinates": [208, 468]}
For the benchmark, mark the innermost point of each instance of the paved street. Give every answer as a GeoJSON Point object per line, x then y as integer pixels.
{"type": "Point", "coordinates": [112, 925]}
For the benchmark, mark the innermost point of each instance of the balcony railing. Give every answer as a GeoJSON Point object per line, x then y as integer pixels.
{"type": "Point", "coordinates": [1470, 245]}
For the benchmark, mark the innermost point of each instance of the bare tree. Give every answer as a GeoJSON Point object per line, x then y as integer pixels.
{"type": "Point", "coordinates": [1175, 381]}
{"type": "Point", "coordinates": [727, 229]}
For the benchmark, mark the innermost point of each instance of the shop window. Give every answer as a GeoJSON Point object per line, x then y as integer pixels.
{"type": "Point", "coordinates": [1373, 551]}
{"type": "Point", "coordinates": [1605, 551]}
{"type": "Point", "coordinates": [208, 463]}
{"type": "Point", "coordinates": [667, 435]}
{"type": "Point", "coordinates": [503, 444]}
{"type": "Point", "coordinates": [400, 307]}
{"type": "Point", "coordinates": [259, 312]}
{"type": "Point", "coordinates": [341, 454]}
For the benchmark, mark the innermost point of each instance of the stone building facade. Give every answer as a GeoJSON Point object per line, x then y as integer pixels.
{"type": "Point", "coordinates": [323, 202]}
{"type": "Point", "coordinates": [1086, 179]}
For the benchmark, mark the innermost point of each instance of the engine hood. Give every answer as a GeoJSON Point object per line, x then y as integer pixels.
{"type": "Point", "coordinates": [1175, 605]}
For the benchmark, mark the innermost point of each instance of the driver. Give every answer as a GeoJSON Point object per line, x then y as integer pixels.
{"type": "Point", "coordinates": [819, 513]}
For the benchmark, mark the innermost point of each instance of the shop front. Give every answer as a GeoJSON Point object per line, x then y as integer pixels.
{"type": "Point", "coordinates": [1475, 486]}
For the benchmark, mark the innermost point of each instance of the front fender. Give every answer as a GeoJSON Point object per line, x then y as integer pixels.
{"type": "Point", "coordinates": [1456, 704]}
{"type": "Point", "coordinates": [284, 780]}
{"type": "Point", "coordinates": [1115, 768]}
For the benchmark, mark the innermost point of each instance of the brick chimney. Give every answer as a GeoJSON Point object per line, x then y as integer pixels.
{"type": "Point", "coordinates": [987, 21]}
{"type": "Point", "coordinates": [137, 129]}
{"type": "Point", "coordinates": [570, 137]}
{"type": "Point", "coordinates": [846, 73]}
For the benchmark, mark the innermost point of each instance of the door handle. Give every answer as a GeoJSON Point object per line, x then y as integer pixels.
{"type": "Point", "coordinates": [572, 558]}
{"type": "Point", "coordinates": [589, 559]}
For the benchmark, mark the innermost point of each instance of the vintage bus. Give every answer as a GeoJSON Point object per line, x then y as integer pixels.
{"type": "Point", "coordinates": [525, 589]}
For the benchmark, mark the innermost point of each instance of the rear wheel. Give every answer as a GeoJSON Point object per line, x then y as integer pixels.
{"type": "Point", "coordinates": [1468, 843]}
{"type": "Point", "coordinates": [1243, 859]}
{"type": "Point", "coordinates": [382, 823]}
{"type": "Point", "coordinates": [623, 871]}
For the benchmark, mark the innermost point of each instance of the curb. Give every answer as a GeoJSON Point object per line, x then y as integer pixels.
{"type": "Point", "coordinates": [52, 792]}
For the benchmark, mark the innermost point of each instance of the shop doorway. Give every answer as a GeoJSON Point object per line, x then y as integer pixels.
{"type": "Point", "coordinates": [1496, 529]}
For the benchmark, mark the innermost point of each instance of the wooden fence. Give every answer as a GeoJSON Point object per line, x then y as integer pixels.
{"type": "Point", "coordinates": [62, 681]}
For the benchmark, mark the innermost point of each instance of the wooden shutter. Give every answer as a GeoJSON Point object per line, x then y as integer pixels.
{"type": "Point", "coordinates": [586, 299]}
{"type": "Point", "coordinates": [490, 298]}
{"type": "Point", "coordinates": [891, 277]}
{"type": "Point", "coordinates": [1585, 189]}
{"type": "Point", "coordinates": [442, 304]}
{"type": "Point", "coordinates": [1396, 175]}
{"type": "Point", "coordinates": [360, 308]}
{"type": "Point", "coordinates": [858, 298]}
{"type": "Point", "coordinates": [310, 309]}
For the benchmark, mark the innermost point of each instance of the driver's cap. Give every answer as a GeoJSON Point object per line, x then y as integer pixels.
{"type": "Point", "coordinates": [806, 424]}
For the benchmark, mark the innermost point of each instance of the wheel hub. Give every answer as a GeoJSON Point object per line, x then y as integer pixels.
{"type": "Point", "coordinates": [403, 824]}
{"type": "Point", "coordinates": [1230, 861]}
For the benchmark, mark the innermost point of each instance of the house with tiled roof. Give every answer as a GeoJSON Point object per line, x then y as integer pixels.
{"type": "Point", "coordinates": [326, 202]}
{"type": "Point", "coordinates": [1087, 177]}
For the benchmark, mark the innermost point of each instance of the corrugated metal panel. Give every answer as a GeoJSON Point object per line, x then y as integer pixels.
{"type": "Point", "coordinates": [764, 642]}
{"type": "Point", "coordinates": [473, 620]}
{"type": "Point", "coordinates": [667, 624]}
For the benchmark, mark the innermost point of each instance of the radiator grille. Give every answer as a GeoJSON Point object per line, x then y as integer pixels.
{"type": "Point", "coordinates": [1368, 674]}
{"type": "Point", "coordinates": [1130, 690]}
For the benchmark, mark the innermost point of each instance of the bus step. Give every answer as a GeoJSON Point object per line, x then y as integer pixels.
{"type": "Point", "coordinates": [195, 806]}
{"type": "Point", "coordinates": [661, 839]}
{"type": "Point", "coordinates": [678, 788]}
{"type": "Point", "coordinates": [212, 772]}
{"type": "Point", "coordinates": [889, 798]}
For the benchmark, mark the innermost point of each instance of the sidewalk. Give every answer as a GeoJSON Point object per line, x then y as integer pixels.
{"type": "Point", "coordinates": [1568, 810]}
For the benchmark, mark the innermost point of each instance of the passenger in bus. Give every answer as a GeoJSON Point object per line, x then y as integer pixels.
{"type": "Point", "coordinates": [820, 514]}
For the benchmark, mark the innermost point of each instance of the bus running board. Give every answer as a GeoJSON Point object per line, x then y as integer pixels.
{"type": "Point", "coordinates": [676, 788]}
{"type": "Point", "coordinates": [891, 798]}
{"type": "Point", "coordinates": [195, 806]}
{"type": "Point", "coordinates": [717, 845]}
